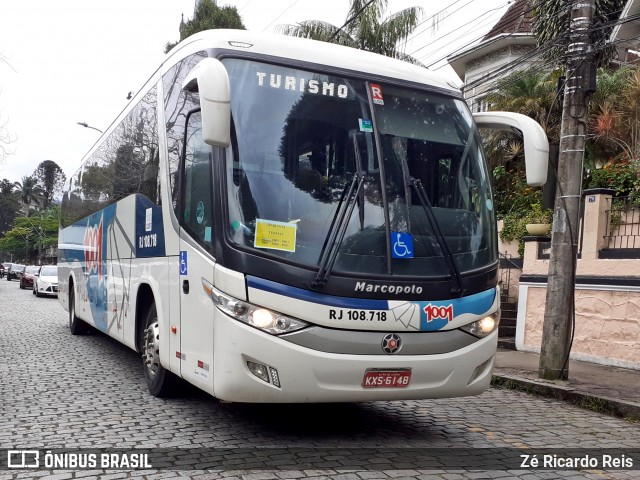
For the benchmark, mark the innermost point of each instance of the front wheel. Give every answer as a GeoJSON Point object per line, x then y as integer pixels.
{"type": "Point", "coordinates": [161, 382]}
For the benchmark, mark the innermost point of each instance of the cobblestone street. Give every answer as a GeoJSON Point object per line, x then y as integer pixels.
{"type": "Point", "coordinates": [79, 392]}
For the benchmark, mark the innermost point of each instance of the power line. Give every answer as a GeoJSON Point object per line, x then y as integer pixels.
{"type": "Point", "coordinates": [244, 6]}
{"type": "Point", "coordinates": [556, 41]}
{"type": "Point", "coordinates": [517, 63]}
{"type": "Point", "coordinates": [463, 47]}
{"type": "Point", "coordinates": [283, 12]}
{"type": "Point", "coordinates": [456, 31]}
{"type": "Point", "coordinates": [349, 20]}
{"type": "Point", "coordinates": [533, 64]}
{"type": "Point", "coordinates": [511, 15]}
{"type": "Point", "coordinates": [539, 66]}
{"type": "Point", "coordinates": [435, 15]}
{"type": "Point", "coordinates": [508, 17]}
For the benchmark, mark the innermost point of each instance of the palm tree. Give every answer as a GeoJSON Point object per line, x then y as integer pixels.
{"type": "Point", "coordinates": [615, 119]}
{"type": "Point", "coordinates": [365, 29]}
{"type": "Point", "coordinates": [532, 93]}
{"type": "Point", "coordinates": [29, 192]}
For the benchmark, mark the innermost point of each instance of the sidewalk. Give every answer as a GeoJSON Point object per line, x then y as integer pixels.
{"type": "Point", "coordinates": [610, 390]}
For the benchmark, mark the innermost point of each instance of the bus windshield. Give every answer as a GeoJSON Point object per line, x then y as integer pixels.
{"type": "Point", "coordinates": [387, 179]}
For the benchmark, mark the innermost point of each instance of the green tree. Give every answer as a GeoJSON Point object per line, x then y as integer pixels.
{"type": "Point", "coordinates": [366, 28]}
{"type": "Point", "coordinates": [614, 133]}
{"type": "Point", "coordinates": [16, 242]}
{"type": "Point", "coordinates": [50, 179]}
{"type": "Point", "coordinates": [209, 16]}
{"type": "Point", "coordinates": [29, 192]}
{"type": "Point", "coordinates": [9, 205]}
{"type": "Point", "coordinates": [551, 26]}
{"type": "Point", "coordinates": [97, 183]}
{"type": "Point", "coordinates": [532, 93]}
{"type": "Point", "coordinates": [613, 141]}
{"type": "Point", "coordinates": [615, 115]}
{"type": "Point", "coordinates": [613, 156]}
{"type": "Point", "coordinates": [30, 236]}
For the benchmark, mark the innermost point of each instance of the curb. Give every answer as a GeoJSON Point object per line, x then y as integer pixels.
{"type": "Point", "coordinates": [609, 406]}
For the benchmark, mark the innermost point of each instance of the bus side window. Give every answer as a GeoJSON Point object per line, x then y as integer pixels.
{"type": "Point", "coordinates": [197, 214]}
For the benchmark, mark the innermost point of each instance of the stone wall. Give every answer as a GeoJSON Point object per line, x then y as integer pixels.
{"type": "Point", "coordinates": [607, 297]}
{"type": "Point", "coordinates": [607, 327]}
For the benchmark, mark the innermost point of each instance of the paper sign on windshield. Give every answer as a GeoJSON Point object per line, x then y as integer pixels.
{"type": "Point", "coordinates": [275, 235]}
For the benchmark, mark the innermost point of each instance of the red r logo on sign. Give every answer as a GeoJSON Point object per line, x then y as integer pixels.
{"type": "Point", "coordinates": [376, 94]}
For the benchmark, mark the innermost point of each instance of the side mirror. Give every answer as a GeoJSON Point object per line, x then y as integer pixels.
{"type": "Point", "coordinates": [210, 79]}
{"type": "Point", "coordinates": [536, 145]}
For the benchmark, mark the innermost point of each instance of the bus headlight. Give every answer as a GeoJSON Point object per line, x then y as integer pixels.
{"type": "Point", "coordinates": [259, 317]}
{"type": "Point", "coordinates": [483, 327]}
{"type": "Point", "coordinates": [262, 318]}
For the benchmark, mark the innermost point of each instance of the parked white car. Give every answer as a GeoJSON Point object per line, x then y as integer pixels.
{"type": "Point", "coordinates": [47, 282]}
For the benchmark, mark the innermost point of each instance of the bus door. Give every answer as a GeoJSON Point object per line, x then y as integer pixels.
{"type": "Point", "coordinates": [196, 262]}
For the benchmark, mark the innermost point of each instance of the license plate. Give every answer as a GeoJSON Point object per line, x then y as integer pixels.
{"type": "Point", "coordinates": [386, 378]}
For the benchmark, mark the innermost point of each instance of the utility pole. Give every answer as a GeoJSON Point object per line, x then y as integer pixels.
{"type": "Point", "coordinates": [559, 307]}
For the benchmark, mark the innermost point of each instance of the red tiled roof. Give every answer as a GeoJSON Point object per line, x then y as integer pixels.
{"type": "Point", "coordinates": [517, 19]}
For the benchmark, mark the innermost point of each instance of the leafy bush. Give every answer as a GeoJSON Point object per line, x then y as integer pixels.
{"type": "Point", "coordinates": [622, 176]}
{"type": "Point", "coordinates": [514, 228]}
{"type": "Point", "coordinates": [515, 224]}
{"type": "Point", "coordinates": [511, 192]}
{"type": "Point", "coordinates": [537, 214]}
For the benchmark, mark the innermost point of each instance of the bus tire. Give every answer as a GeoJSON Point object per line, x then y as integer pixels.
{"type": "Point", "coordinates": [76, 326]}
{"type": "Point", "coordinates": [160, 381]}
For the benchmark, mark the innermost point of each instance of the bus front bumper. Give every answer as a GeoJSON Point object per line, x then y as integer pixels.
{"type": "Point", "coordinates": [307, 375]}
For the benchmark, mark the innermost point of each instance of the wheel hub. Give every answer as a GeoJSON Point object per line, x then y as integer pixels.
{"type": "Point", "coordinates": [151, 348]}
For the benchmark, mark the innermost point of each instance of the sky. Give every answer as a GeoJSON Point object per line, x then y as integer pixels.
{"type": "Point", "coordinates": [69, 61]}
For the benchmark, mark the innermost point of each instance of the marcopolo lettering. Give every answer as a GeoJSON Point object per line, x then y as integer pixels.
{"type": "Point", "coordinates": [391, 289]}
{"type": "Point", "coordinates": [286, 82]}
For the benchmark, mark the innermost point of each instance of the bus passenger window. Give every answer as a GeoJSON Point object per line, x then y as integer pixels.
{"type": "Point", "coordinates": [197, 214]}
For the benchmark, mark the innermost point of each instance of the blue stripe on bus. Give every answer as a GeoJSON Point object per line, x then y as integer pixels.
{"type": "Point", "coordinates": [321, 298]}
{"type": "Point", "coordinates": [476, 304]}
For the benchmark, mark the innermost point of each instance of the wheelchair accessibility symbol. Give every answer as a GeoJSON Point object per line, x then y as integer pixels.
{"type": "Point", "coordinates": [183, 262]}
{"type": "Point", "coordinates": [401, 245]}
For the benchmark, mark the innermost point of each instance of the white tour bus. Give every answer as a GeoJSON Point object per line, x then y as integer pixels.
{"type": "Point", "coordinates": [275, 219]}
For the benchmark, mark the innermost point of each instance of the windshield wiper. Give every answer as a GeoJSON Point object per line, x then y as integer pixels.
{"type": "Point", "coordinates": [354, 193]}
{"type": "Point", "coordinates": [338, 228]}
{"type": "Point", "coordinates": [454, 274]}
